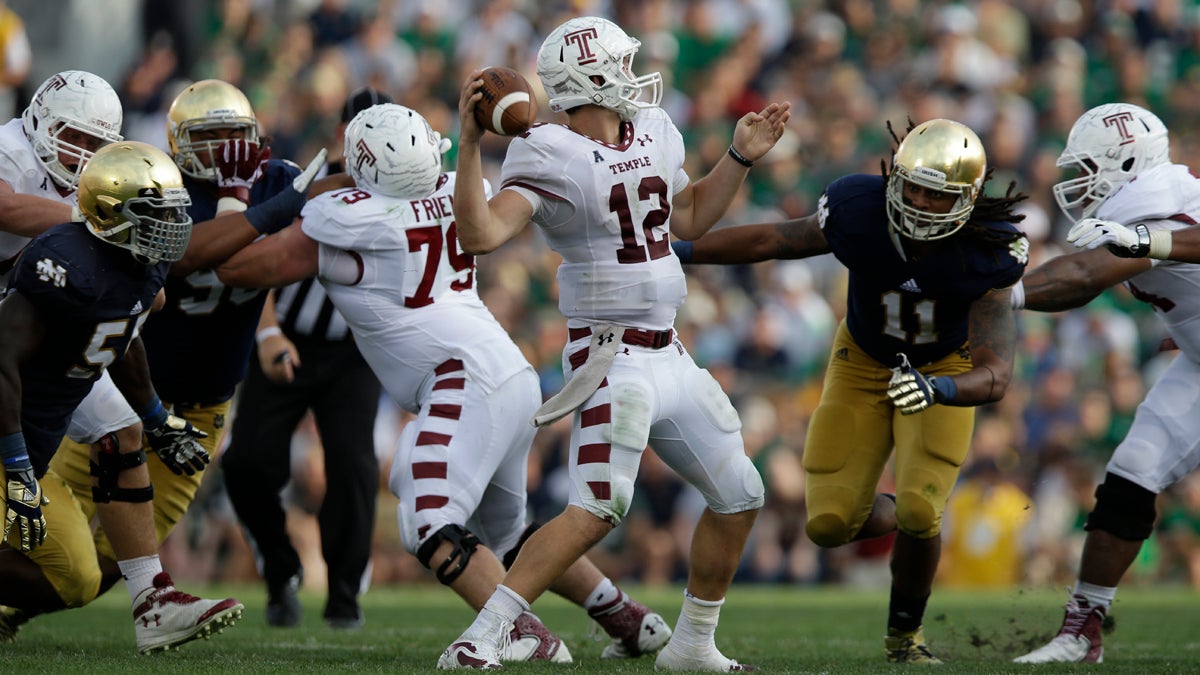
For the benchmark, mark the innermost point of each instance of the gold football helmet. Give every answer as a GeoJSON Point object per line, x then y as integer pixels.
{"type": "Point", "coordinates": [207, 104]}
{"type": "Point", "coordinates": [942, 155]}
{"type": "Point", "coordinates": [131, 195]}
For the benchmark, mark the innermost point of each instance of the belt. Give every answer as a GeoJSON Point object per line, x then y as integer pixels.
{"type": "Point", "coordinates": [654, 339]}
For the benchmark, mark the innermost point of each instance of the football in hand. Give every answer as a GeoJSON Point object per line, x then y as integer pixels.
{"type": "Point", "coordinates": [508, 107]}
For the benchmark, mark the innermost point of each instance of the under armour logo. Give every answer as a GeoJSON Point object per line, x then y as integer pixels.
{"type": "Point", "coordinates": [147, 619]}
{"type": "Point", "coordinates": [596, 157]}
{"type": "Point", "coordinates": [605, 339]}
{"type": "Point", "coordinates": [644, 140]}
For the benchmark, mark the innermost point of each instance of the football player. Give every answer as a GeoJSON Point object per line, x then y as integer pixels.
{"type": "Point", "coordinates": [1126, 193]}
{"type": "Point", "coordinates": [198, 344]}
{"type": "Point", "coordinates": [42, 156]}
{"type": "Point", "coordinates": [929, 334]}
{"type": "Point", "coordinates": [460, 467]}
{"type": "Point", "coordinates": [608, 189]}
{"type": "Point", "coordinates": [76, 301]}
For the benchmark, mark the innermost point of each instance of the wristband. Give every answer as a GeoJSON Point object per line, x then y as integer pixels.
{"type": "Point", "coordinates": [944, 389]}
{"type": "Point", "coordinates": [1160, 244]}
{"type": "Point", "coordinates": [12, 449]}
{"type": "Point", "coordinates": [231, 204]}
{"type": "Point", "coordinates": [154, 414]}
{"type": "Point", "coordinates": [269, 331]}
{"type": "Point", "coordinates": [1017, 299]}
{"type": "Point", "coordinates": [739, 157]}
{"type": "Point", "coordinates": [683, 250]}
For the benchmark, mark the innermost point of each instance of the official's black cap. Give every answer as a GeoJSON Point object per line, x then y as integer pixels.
{"type": "Point", "coordinates": [361, 99]}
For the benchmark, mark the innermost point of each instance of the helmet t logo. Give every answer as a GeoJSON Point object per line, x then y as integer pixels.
{"type": "Point", "coordinates": [1121, 121]}
{"type": "Point", "coordinates": [583, 39]}
{"type": "Point", "coordinates": [365, 156]}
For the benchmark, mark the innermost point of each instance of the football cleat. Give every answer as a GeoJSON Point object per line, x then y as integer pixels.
{"type": "Point", "coordinates": [472, 651]}
{"type": "Point", "coordinates": [1078, 641]}
{"type": "Point", "coordinates": [908, 647]}
{"type": "Point", "coordinates": [11, 620]}
{"type": "Point", "coordinates": [712, 661]}
{"type": "Point", "coordinates": [530, 640]}
{"type": "Point", "coordinates": [283, 603]}
{"type": "Point", "coordinates": [634, 629]}
{"type": "Point", "coordinates": [164, 618]}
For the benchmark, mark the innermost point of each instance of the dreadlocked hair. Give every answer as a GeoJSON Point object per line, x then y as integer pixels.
{"type": "Point", "coordinates": [987, 209]}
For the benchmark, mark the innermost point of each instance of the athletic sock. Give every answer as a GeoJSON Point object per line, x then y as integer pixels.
{"type": "Point", "coordinates": [139, 574]}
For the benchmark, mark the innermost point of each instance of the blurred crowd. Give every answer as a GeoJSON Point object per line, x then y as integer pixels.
{"type": "Point", "coordinates": [1019, 72]}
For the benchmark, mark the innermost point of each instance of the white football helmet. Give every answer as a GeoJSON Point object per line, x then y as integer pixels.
{"type": "Point", "coordinates": [590, 60]}
{"type": "Point", "coordinates": [942, 155]}
{"type": "Point", "coordinates": [131, 195]}
{"type": "Point", "coordinates": [207, 104]}
{"type": "Point", "coordinates": [71, 100]}
{"type": "Point", "coordinates": [391, 149]}
{"type": "Point", "coordinates": [1108, 146]}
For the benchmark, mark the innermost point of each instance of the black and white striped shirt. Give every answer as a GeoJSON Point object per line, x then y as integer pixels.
{"type": "Point", "coordinates": [303, 309]}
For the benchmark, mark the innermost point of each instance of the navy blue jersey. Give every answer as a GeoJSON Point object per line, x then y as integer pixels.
{"type": "Point", "coordinates": [917, 306]}
{"type": "Point", "coordinates": [92, 298]}
{"type": "Point", "coordinates": [200, 343]}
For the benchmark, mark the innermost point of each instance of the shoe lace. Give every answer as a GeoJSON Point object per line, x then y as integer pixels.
{"type": "Point", "coordinates": [1076, 616]}
{"type": "Point", "coordinates": [173, 595]}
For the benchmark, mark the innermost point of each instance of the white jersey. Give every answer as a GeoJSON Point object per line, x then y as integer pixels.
{"type": "Point", "coordinates": [606, 210]}
{"type": "Point", "coordinates": [24, 173]}
{"type": "Point", "coordinates": [414, 306]}
{"type": "Point", "coordinates": [1164, 197]}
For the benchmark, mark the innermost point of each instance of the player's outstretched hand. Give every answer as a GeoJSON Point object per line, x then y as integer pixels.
{"type": "Point", "coordinates": [756, 133]}
{"type": "Point", "coordinates": [176, 442]}
{"type": "Point", "coordinates": [1123, 241]}
{"type": "Point", "coordinates": [911, 392]}
{"type": "Point", "coordinates": [240, 162]}
{"type": "Point", "coordinates": [468, 98]}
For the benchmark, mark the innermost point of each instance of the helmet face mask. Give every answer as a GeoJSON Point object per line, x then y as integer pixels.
{"type": "Point", "coordinates": [131, 195]}
{"type": "Point", "coordinates": [72, 115]}
{"type": "Point", "coordinates": [391, 150]}
{"type": "Point", "coordinates": [939, 155]}
{"type": "Point", "coordinates": [1107, 147]}
{"type": "Point", "coordinates": [201, 118]}
{"type": "Point", "coordinates": [589, 60]}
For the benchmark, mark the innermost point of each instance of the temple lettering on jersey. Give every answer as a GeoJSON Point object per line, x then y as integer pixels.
{"type": "Point", "coordinates": [622, 167]}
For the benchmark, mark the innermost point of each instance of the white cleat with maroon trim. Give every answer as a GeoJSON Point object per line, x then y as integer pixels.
{"type": "Point", "coordinates": [165, 618]}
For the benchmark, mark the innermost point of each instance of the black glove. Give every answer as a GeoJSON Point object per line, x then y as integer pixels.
{"type": "Point", "coordinates": [175, 441]}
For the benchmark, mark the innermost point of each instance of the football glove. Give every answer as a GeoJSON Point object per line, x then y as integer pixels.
{"type": "Point", "coordinates": [175, 440]}
{"type": "Point", "coordinates": [1122, 241]}
{"type": "Point", "coordinates": [239, 163]}
{"type": "Point", "coordinates": [25, 500]}
{"type": "Point", "coordinates": [911, 392]}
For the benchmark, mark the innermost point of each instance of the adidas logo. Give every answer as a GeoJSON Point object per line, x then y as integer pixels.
{"type": "Point", "coordinates": [843, 354]}
{"type": "Point", "coordinates": [137, 309]}
{"type": "Point", "coordinates": [910, 286]}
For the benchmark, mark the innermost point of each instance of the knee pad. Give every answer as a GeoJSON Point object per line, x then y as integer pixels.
{"type": "Point", "coordinates": [1123, 509]}
{"type": "Point", "coordinates": [916, 516]}
{"type": "Point", "coordinates": [511, 556]}
{"type": "Point", "coordinates": [739, 488]}
{"type": "Point", "coordinates": [828, 530]}
{"type": "Point", "coordinates": [109, 465]}
{"type": "Point", "coordinates": [464, 543]}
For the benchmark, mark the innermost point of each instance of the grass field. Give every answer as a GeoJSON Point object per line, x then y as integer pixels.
{"type": "Point", "coordinates": [780, 629]}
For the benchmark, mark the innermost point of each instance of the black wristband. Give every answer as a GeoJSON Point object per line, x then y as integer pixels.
{"type": "Point", "coordinates": [739, 157]}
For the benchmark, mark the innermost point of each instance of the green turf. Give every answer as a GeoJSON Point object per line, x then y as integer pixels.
{"type": "Point", "coordinates": [780, 629]}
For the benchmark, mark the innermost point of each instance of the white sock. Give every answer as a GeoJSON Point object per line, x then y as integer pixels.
{"type": "Point", "coordinates": [1097, 596]}
{"type": "Point", "coordinates": [139, 573]}
{"type": "Point", "coordinates": [504, 605]}
{"type": "Point", "coordinates": [604, 593]}
{"type": "Point", "coordinates": [697, 625]}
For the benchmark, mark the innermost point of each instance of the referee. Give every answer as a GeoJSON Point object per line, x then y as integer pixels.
{"type": "Point", "coordinates": [307, 360]}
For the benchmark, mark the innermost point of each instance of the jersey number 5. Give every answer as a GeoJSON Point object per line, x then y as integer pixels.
{"type": "Point", "coordinates": [99, 354]}
{"type": "Point", "coordinates": [650, 187]}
